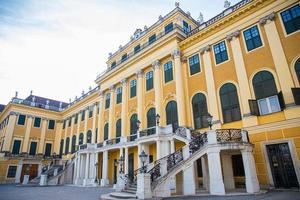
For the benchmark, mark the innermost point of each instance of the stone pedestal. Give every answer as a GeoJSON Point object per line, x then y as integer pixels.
{"type": "Point", "coordinates": [228, 172]}
{"type": "Point", "coordinates": [252, 185]}
{"type": "Point", "coordinates": [25, 179]}
{"type": "Point", "coordinates": [144, 186]}
{"type": "Point", "coordinates": [43, 180]}
{"type": "Point", "coordinates": [216, 184]}
{"type": "Point", "coordinates": [189, 185]}
{"type": "Point", "coordinates": [120, 183]}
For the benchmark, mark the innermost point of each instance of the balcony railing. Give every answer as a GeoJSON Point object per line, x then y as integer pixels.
{"type": "Point", "coordinates": [131, 138]}
{"type": "Point", "coordinates": [229, 135]}
{"type": "Point", "coordinates": [148, 131]}
{"type": "Point", "coordinates": [35, 104]}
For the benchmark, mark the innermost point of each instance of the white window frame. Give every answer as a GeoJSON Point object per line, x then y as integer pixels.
{"type": "Point", "coordinates": [267, 99]}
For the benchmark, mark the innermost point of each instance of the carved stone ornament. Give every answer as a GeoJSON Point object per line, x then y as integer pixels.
{"type": "Point", "coordinates": [123, 82]}
{"type": "Point", "coordinates": [184, 59]}
{"type": "Point", "coordinates": [13, 113]}
{"type": "Point", "coordinates": [139, 73]}
{"type": "Point", "coordinates": [112, 88]}
{"type": "Point", "coordinates": [267, 18]}
{"type": "Point", "coordinates": [176, 53]}
{"type": "Point", "coordinates": [156, 64]}
{"type": "Point", "coordinates": [101, 93]}
{"type": "Point", "coordinates": [233, 35]}
{"type": "Point", "coordinates": [204, 49]}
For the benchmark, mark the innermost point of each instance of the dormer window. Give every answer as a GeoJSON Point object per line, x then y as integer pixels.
{"type": "Point", "coordinates": [186, 27]}
{"type": "Point", "coordinates": [113, 65]}
{"type": "Point", "coordinates": [137, 49]}
{"type": "Point", "coordinates": [169, 28]}
{"type": "Point", "coordinates": [124, 57]}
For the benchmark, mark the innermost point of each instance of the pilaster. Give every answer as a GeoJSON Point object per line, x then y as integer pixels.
{"type": "Point", "coordinates": [86, 115]}
{"type": "Point", "coordinates": [111, 113]}
{"type": "Point", "coordinates": [43, 136]}
{"type": "Point", "coordinates": [124, 108]}
{"type": "Point", "coordinates": [94, 124]}
{"type": "Point", "coordinates": [8, 136]}
{"type": "Point", "coordinates": [27, 133]}
{"type": "Point", "coordinates": [158, 87]}
{"type": "Point", "coordinates": [100, 117]}
{"type": "Point", "coordinates": [140, 97]}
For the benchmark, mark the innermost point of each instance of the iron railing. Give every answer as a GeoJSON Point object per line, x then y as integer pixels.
{"type": "Point", "coordinates": [174, 158]}
{"type": "Point", "coordinates": [131, 138]}
{"type": "Point", "coordinates": [197, 142]}
{"type": "Point", "coordinates": [229, 135]}
{"type": "Point", "coordinates": [155, 172]}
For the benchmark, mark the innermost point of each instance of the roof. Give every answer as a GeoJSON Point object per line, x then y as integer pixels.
{"type": "Point", "coordinates": [2, 107]}
{"type": "Point", "coordinates": [42, 100]}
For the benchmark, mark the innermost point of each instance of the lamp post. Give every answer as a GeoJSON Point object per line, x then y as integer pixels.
{"type": "Point", "coordinates": [96, 177]}
{"type": "Point", "coordinates": [157, 119]}
{"type": "Point", "coordinates": [209, 120]}
{"type": "Point", "coordinates": [143, 156]}
{"type": "Point", "coordinates": [121, 162]}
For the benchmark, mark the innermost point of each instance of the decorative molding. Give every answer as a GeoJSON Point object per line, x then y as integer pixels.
{"type": "Point", "coordinates": [233, 35]}
{"type": "Point", "coordinates": [156, 64]}
{"type": "Point", "coordinates": [268, 18]}
{"type": "Point", "coordinates": [140, 73]}
{"type": "Point", "coordinates": [59, 121]}
{"type": "Point", "coordinates": [176, 53]}
{"type": "Point", "coordinates": [30, 116]}
{"type": "Point", "coordinates": [14, 113]}
{"type": "Point", "coordinates": [184, 59]}
{"type": "Point", "coordinates": [112, 88]}
{"type": "Point", "coordinates": [101, 93]}
{"type": "Point", "coordinates": [124, 81]}
{"type": "Point", "coordinates": [204, 49]}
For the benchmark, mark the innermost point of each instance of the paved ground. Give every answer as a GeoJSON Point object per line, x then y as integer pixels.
{"type": "Point", "coordinates": [11, 192]}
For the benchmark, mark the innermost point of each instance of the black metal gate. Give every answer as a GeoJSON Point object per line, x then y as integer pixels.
{"type": "Point", "coordinates": [282, 166]}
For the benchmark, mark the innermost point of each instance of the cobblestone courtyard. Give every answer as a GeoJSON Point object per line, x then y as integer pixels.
{"type": "Point", "coordinates": [11, 192]}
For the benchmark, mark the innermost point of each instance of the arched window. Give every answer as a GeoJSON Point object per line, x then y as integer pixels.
{"type": "Point", "coordinates": [106, 131]}
{"type": "Point", "coordinates": [151, 118]}
{"type": "Point", "coordinates": [199, 111]}
{"type": "Point", "coordinates": [67, 145]}
{"type": "Point", "coordinates": [89, 136]}
{"type": "Point", "coordinates": [168, 69]}
{"type": "Point", "coordinates": [118, 130]}
{"type": "Point", "coordinates": [61, 148]}
{"type": "Point", "coordinates": [297, 69]}
{"type": "Point", "coordinates": [266, 93]}
{"type": "Point", "coordinates": [96, 135]}
{"type": "Point", "coordinates": [81, 136]}
{"type": "Point", "coordinates": [171, 113]}
{"type": "Point", "coordinates": [149, 80]}
{"type": "Point", "coordinates": [73, 149]}
{"type": "Point", "coordinates": [230, 103]}
{"type": "Point", "coordinates": [133, 125]}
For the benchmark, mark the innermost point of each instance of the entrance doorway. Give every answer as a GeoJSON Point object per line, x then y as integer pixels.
{"type": "Point", "coordinates": [33, 171]}
{"type": "Point", "coordinates": [131, 167]}
{"type": "Point", "coordinates": [282, 167]}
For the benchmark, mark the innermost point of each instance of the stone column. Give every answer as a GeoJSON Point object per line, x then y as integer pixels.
{"type": "Point", "coordinates": [86, 115]}
{"type": "Point", "coordinates": [172, 143]}
{"type": "Point", "coordinates": [78, 169]}
{"type": "Point", "coordinates": [228, 171]}
{"type": "Point", "coordinates": [86, 174]}
{"type": "Point", "coordinates": [189, 182]}
{"type": "Point", "coordinates": [126, 161]}
{"type": "Point", "coordinates": [205, 173]}
{"type": "Point", "coordinates": [27, 134]}
{"type": "Point", "coordinates": [162, 148]}
{"type": "Point", "coordinates": [279, 58]}
{"type": "Point", "coordinates": [157, 87]}
{"type": "Point", "coordinates": [211, 89]}
{"type": "Point", "coordinates": [8, 136]}
{"type": "Point", "coordinates": [179, 88]}
{"type": "Point", "coordinates": [124, 108]}
{"type": "Point", "coordinates": [100, 117]}
{"type": "Point", "coordinates": [242, 78]}
{"type": "Point", "coordinates": [143, 186]}
{"type": "Point", "coordinates": [43, 136]}
{"type": "Point", "coordinates": [104, 180]}
{"type": "Point", "coordinates": [78, 128]}
{"type": "Point", "coordinates": [94, 124]}
{"type": "Point", "coordinates": [19, 171]}
{"type": "Point", "coordinates": [216, 184]}
{"type": "Point", "coordinates": [140, 98]}
{"type": "Point", "coordinates": [58, 134]}
{"type": "Point", "coordinates": [111, 113]}
{"type": "Point", "coordinates": [252, 185]}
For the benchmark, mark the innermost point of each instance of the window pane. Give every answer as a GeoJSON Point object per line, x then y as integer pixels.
{"type": "Point", "coordinates": [32, 150]}
{"type": "Point", "coordinates": [291, 19]}
{"type": "Point", "coordinates": [11, 173]}
{"type": "Point", "coordinates": [263, 106]}
{"type": "Point", "coordinates": [37, 122]}
{"type": "Point", "coordinates": [21, 119]}
{"type": "Point", "coordinates": [16, 147]}
{"type": "Point", "coordinates": [274, 104]}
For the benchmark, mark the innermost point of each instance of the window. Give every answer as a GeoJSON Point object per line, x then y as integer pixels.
{"type": "Point", "coordinates": [119, 95]}
{"type": "Point", "coordinates": [107, 100]}
{"type": "Point", "coordinates": [194, 64]}
{"type": "Point", "coordinates": [16, 147]}
{"type": "Point", "coordinates": [264, 85]}
{"type": "Point", "coordinates": [89, 136]}
{"type": "Point", "coordinates": [291, 19]}
{"type": "Point", "coordinates": [106, 131]}
{"type": "Point", "coordinates": [137, 49]}
{"type": "Point", "coordinates": [268, 105]}
{"type": "Point", "coordinates": [149, 80]}
{"type": "Point", "coordinates": [83, 115]}
{"type": "Point", "coordinates": [168, 68]}
{"type": "Point", "coordinates": [133, 125]}
{"type": "Point", "coordinates": [61, 148]}
{"type": "Point", "coordinates": [96, 135]}
{"type": "Point", "coordinates": [220, 52]}
{"type": "Point", "coordinates": [118, 130]}
{"type": "Point", "coordinates": [21, 119]}
{"type": "Point", "coordinates": [67, 145]}
{"type": "Point", "coordinates": [81, 137]}
{"type": "Point", "coordinates": [169, 28]}
{"type": "Point", "coordinates": [48, 149]}
{"type": "Point", "coordinates": [152, 39]}
{"type": "Point", "coordinates": [76, 118]}
{"type": "Point", "coordinates": [186, 27]}
{"type": "Point", "coordinates": [73, 145]}
{"type": "Point", "coordinates": [51, 124]}
{"type": "Point", "coordinates": [124, 57]}
{"type": "Point", "coordinates": [151, 119]}
{"type": "Point", "coordinates": [172, 115]}
{"type": "Point", "coordinates": [230, 103]}
{"type": "Point", "coordinates": [90, 112]}
{"type": "Point", "coordinates": [132, 88]}
{"type": "Point", "coordinates": [252, 38]}
{"type": "Point", "coordinates": [32, 150]}
{"type": "Point", "coordinates": [113, 65]}
{"type": "Point", "coordinates": [69, 121]}
{"type": "Point", "coordinates": [297, 69]}
{"type": "Point", "coordinates": [64, 124]}
{"type": "Point", "coordinates": [12, 171]}
{"type": "Point", "coordinates": [37, 122]}
{"type": "Point", "coordinates": [200, 112]}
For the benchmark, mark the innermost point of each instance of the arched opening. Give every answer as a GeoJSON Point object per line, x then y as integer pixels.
{"type": "Point", "coordinates": [133, 127]}
{"type": "Point", "coordinates": [89, 136]}
{"type": "Point", "coordinates": [230, 103]}
{"type": "Point", "coordinates": [297, 69]}
{"type": "Point", "coordinates": [73, 149]}
{"type": "Point", "coordinates": [61, 148]}
{"type": "Point", "coordinates": [118, 130]}
{"type": "Point", "coordinates": [151, 121]}
{"type": "Point", "coordinates": [67, 145]}
{"type": "Point", "coordinates": [106, 131]}
{"type": "Point", "coordinates": [81, 138]}
{"type": "Point", "coordinates": [172, 115]}
{"type": "Point", "coordinates": [199, 111]}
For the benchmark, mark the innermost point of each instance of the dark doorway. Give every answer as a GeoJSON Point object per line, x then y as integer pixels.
{"type": "Point", "coordinates": [115, 171]}
{"type": "Point", "coordinates": [131, 167]}
{"type": "Point", "coordinates": [33, 171]}
{"type": "Point", "coordinates": [282, 166]}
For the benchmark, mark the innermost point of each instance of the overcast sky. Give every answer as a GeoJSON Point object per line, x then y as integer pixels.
{"type": "Point", "coordinates": [57, 47]}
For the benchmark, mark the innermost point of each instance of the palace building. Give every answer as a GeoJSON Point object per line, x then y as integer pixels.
{"type": "Point", "coordinates": [185, 106]}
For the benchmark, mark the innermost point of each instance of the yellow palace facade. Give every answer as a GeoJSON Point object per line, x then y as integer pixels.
{"type": "Point", "coordinates": [242, 68]}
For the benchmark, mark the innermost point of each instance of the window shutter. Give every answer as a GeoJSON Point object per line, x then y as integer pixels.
{"type": "Point", "coordinates": [296, 94]}
{"type": "Point", "coordinates": [281, 100]}
{"type": "Point", "coordinates": [253, 107]}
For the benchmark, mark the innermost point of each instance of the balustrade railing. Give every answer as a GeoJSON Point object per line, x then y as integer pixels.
{"type": "Point", "coordinates": [99, 145]}
{"type": "Point", "coordinates": [82, 146]}
{"type": "Point", "coordinates": [174, 158]}
{"type": "Point", "coordinates": [131, 138]}
{"type": "Point", "coordinates": [197, 142]}
{"type": "Point", "coordinates": [148, 131]}
{"type": "Point", "coordinates": [229, 135]}
{"type": "Point", "coordinates": [113, 141]}
{"type": "Point", "coordinates": [155, 172]}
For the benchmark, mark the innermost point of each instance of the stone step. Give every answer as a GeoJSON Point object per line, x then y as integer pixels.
{"type": "Point", "coordinates": [129, 191]}
{"type": "Point", "coordinates": [118, 195]}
